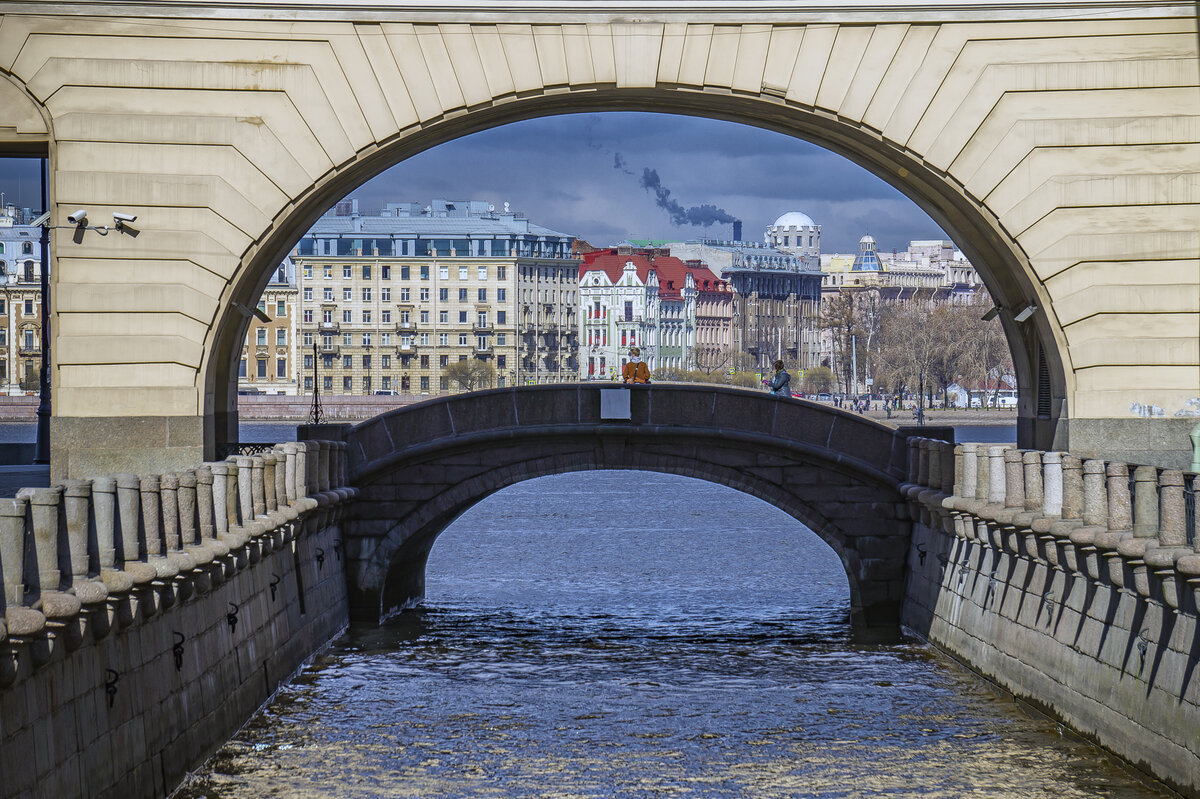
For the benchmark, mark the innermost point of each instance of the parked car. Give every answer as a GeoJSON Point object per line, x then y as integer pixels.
{"type": "Point", "coordinates": [825, 396]}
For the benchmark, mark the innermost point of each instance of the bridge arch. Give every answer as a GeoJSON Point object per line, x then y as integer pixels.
{"type": "Point", "coordinates": [1057, 147]}
{"type": "Point", "coordinates": [1038, 345]}
{"type": "Point", "coordinates": [420, 467]}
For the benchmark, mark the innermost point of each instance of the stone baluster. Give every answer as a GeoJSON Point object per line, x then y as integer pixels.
{"type": "Point", "coordinates": [219, 472]}
{"type": "Point", "coordinates": [1120, 526]}
{"type": "Point", "coordinates": [116, 574]}
{"type": "Point", "coordinates": [84, 555]}
{"type": "Point", "coordinates": [960, 461]}
{"type": "Point", "coordinates": [104, 509]}
{"type": "Point", "coordinates": [49, 573]}
{"type": "Point", "coordinates": [343, 453]}
{"type": "Point", "coordinates": [1051, 509]}
{"type": "Point", "coordinates": [12, 549]}
{"type": "Point", "coordinates": [290, 473]}
{"type": "Point", "coordinates": [269, 499]}
{"type": "Point", "coordinates": [1170, 544]}
{"type": "Point", "coordinates": [152, 532]}
{"type": "Point", "coordinates": [245, 488]}
{"type": "Point", "coordinates": [922, 463]}
{"type": "Point", "coordinates": [233, 498]}
{"type": "Point", "coordinates": [1145, 524]}
{"type": "Point", "coordinates": [207, 504]}
{"type": "Point", "coordinates": [136, 561]}
{"type": "Point", "coordinates": [186, 497]}
{"type": "Point", "coordinates": [258, 487]}
{"type": "Point", "coordinates": [950, 463]}
{"type": "Point", "coordinates": [312, 479]}
{"type": "Point", "coordinates": [911, 463]}
{"type": "Point", "coordinates": [181, 557]}
{"type": "Point", "coordinates": [1188, 564]}
{"type": "Point", "coordinates": [1014, 501]}
{"type": "Point", "coordinates": [169, 495]}
{"type": "Point", "coordinates": [19, 622]}
{"type": "Point", "coordinates": [281, 496]}
{"type": "Point", "coordinates": [200, 551]}
{"type": "Point", "coordinates": [1085, 558]}
{"type": "Point", "coordinates": [323, 466]}
{"type": "Point", "coordinates": [1031, 479]}
{"type": "Point", "coordinates": [302, 469]}
{"type": "Point", "coordinates": [933, 478]}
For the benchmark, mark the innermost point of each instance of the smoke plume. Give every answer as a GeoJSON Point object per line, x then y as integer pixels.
{"type": "Point", "coordinates": [705, 215]}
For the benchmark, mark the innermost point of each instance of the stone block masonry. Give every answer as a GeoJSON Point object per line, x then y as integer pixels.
{"type": "Point", "coordinates": [1073, 584]}
{"type": "Point", "coordinates": [147, 618]}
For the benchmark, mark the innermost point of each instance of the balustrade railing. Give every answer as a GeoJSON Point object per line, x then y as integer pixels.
{"type": "Point", "coordinates": [1130, 526]}
{"type": "Point", "coordinates": [88, 556]}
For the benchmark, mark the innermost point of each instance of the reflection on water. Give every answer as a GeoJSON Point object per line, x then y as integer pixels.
{"type": "Point", "coordinates": [637, 635]}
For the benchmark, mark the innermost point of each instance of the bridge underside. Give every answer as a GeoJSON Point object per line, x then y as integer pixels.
{"type": "Point", "coordinates": [418, 469]}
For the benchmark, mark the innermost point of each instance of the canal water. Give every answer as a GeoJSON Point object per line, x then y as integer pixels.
{"type": "Point", "coordinates": [626, 634]}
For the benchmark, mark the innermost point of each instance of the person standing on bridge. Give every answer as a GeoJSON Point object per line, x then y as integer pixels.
{"type": "Point", "coordinates": [781, 384]}
{"type": "Point", "coordinates": [635, 371]}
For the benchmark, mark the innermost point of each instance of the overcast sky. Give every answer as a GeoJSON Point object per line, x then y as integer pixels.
{"type": "Point", "coordinates": [585, 175]}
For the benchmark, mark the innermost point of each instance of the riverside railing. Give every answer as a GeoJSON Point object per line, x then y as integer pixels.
{"type": "Point", "coordinates": [1133, 527]}
{"type": "Point", "coordinates": [87, 557]}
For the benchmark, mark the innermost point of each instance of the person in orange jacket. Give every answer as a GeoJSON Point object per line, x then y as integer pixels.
{"type": "Point", "coordinates": [635, 371]}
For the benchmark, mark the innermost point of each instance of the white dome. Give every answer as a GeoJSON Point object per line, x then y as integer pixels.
{"type": "Point", "coordinates": [794, 219]}
{"type": "Point", "coordinates": [866, 240]}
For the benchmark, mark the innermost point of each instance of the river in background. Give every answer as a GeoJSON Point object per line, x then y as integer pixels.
{"type": "Point", "coordinates": [627, 634]}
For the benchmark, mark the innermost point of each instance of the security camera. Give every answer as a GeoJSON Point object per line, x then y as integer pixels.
{"type": "Point", "coordinates": [78, 218]}
{"type": "Point", "coordinates": [120, 219]}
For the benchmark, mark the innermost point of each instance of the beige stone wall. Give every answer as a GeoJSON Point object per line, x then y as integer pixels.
{"type": "Point", "coordinates": [1055, 147]}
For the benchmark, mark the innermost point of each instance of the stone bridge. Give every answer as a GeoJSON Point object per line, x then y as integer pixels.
{"type": "Point", "coordinates": [420, 467]}
{"type": "Point", "coordinates": [1055, 142]}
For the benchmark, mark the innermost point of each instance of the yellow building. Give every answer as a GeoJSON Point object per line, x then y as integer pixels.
{"type": "Point", "coordinates": [268, 364]}
{"type": "Point", "coordinates": [390, 302]}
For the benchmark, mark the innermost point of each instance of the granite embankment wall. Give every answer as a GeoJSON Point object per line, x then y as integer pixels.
{"type": "Point", "coordinates": [1072, 584]}
{"type": "Point", "coordinates": [147, 618]}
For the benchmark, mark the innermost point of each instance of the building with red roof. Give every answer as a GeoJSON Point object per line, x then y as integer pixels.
{"type": "Point", "coordinates": [633, 298]}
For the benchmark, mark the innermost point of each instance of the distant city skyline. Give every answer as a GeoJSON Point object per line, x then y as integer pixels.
{"type": "Point", "coordinates": [595, 176]}
{"type": "Point", "coordinates": [606, 177]}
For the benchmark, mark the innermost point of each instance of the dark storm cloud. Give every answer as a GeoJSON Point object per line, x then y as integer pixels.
{"type": "Point", "coordinates": [572, 173]}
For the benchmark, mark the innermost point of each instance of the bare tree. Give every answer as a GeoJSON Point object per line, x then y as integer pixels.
{"type": "Point", "coordinates": [817, 379]}
{"type": "Point", "coordinates": [471, 374]}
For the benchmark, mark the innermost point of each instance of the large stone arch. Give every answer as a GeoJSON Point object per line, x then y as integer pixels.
{"type": "Point", "coordinates": [419, 468]}
{"type": "Point", "coordinates": [1059, 150]}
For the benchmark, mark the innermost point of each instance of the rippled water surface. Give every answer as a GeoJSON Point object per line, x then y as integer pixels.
{"type": "Point", "coordinates": [636, 635]}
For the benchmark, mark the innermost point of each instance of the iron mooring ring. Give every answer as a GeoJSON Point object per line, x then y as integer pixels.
{"type": "Point", "coordinates": [110, 685]}
{"type": "Point", "coordinates": [232, 617]}
{"type": "Point", "coordinates": [274, 586]}
{"type": "Point", "coordinates": [320, 558]}
{"type": "Point", "coordinates": [177, 649]}
{"type": "Point", "coordinates": [337, 549]}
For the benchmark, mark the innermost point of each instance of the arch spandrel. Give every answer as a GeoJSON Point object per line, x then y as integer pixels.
{"type": "Point", "coordinates": [994, 126]}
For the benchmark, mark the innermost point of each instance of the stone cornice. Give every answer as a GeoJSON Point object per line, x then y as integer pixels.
{"type": "Point", "coordinates": [621, 11]}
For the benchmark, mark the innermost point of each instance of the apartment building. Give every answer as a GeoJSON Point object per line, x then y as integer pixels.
{"type": "Point", "coordinates": [269, 356]}
{"type": "Point", "coordinates": [20, 303]}
{"type": "Point", "coordinates": [389, 302]}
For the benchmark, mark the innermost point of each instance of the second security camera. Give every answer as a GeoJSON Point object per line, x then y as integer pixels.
{"type": "Point", "coordinates": [78, 218]}
{"type": "Point", "coordinates": [124, 218]}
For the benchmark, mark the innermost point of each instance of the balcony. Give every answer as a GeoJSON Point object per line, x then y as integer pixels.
{"type": "Point", "coordinates": [488, 328]}
{"type": "Point", "coordinates": [329, 349]}
{"type": "Point", "coordinates": [406, 327]}
{"type": "Point", "coordinates": [29, 349]}
{"type": "Point", "coordinates": [406, 349]}
{"type": "Point", "coordinates": [329, 327]}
